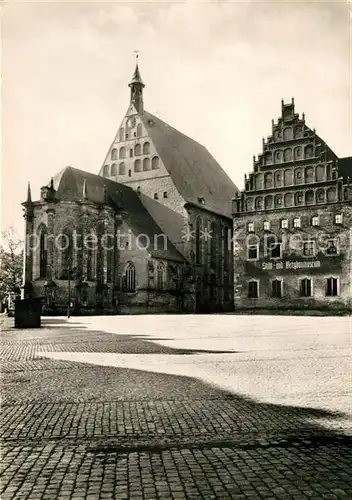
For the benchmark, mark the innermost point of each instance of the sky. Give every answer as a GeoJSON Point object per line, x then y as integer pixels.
{"type": "Point", "coordinates": [217, 71]}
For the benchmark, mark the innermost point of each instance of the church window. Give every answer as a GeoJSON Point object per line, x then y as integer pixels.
{"type": "Point", "coordinates": [146, 164]}
{"type": "Point", "coordinates": [137, 165]}
{"type": "Point", "coordinates": [122, 134]}
{"type": "Point", "coordinates": [156, 197]}
{"type": "Point", "coordinates": [309, 197]}
{"type": "Point", "coordinates": [146, 148]}
{"type": "Point", "coordinates": [114, 169]}
{"type": "Point", "coordinates": [253, 289]}
{"type": "Point", "coordinates": [165, 194]}
{"type": "Point", "coordinates": [43, 257]}
{"type": "Point", "coordinates": [114, 154]}
{"type": "Point", "coordinates": [122, 168]}
{"type": "Point", "coordinates": [137, 150]}
{"type": "Point", "coordinates": [288, 154]}
{"type": "Point", "coordinates": [160, 276]}
{"type": "Point", "coordinates": [268, 180]}
{"type": "Point", "coordinates": [332, 287]}
{"type": "Point", "coordinates": [106, 170]}
{"type": "Point", "coordinates": [67, 252]}
{"type": "Point", "coordinates": [139, 130]}
{"type": "Point", "coordinates": [155, 162]}
{"type": "Point", "coordinates": [122, 152]}
{"type": "Point", "coordinates": [129, 278]}
{"type": "Point", "coordinates": [198, 241]}
{"type": "Point", "coordinates": [91, 248]}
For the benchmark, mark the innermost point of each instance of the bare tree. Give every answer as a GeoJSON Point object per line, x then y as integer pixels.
{"type": "Point", "coordinates": [11, 264]}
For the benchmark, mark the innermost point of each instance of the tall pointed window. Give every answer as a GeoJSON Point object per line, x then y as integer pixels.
{"type": "Point", "coordinates": [213, 239]}
{"type": "Point", "coordinates": [91, 244]}
{"type": "Point", "coordinates": [160, 276]}
{"type": "Point", "coordinates": [43, 254]}
{"type": "Point", "coordinates": [129, 278]}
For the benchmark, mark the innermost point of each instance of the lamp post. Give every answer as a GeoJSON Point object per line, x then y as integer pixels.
{"type": "Point", "coordinates": [69, 271]}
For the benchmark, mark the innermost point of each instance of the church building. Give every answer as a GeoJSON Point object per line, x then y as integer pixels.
{"type": "Point", "coordinates": [151, 232]}
{"type": "Point", "coordinates": [292, 223]}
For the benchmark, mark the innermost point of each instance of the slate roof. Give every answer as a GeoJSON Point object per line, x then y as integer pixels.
{"type": "Point", "coordinates": [68, 184]}
{"type": "Point", "coordinates": [193, 169]}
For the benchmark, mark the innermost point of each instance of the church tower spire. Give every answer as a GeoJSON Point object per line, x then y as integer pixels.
{"type": "Point", "coordinates": [136, 85]}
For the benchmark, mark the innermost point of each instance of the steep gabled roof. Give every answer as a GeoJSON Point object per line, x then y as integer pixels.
{"type": "Point", "coordinates": [193, 169]}
{"type": "Point", "coordinates": [69, 182]}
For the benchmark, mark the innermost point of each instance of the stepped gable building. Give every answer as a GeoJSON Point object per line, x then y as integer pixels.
{"type": "Point", "coordinates": [151, 233]}
{"type": "Point", "coordinates": [292, 223]}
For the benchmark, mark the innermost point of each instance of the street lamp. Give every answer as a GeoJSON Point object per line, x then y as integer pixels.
{"type": "Point", "coordinates": [69, 271]}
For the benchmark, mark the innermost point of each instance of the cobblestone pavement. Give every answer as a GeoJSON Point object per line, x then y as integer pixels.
{"type": "Point", "coordinates": [73, 430]}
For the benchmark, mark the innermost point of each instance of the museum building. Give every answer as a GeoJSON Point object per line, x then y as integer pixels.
{"type": "Point", "coordinates": [292, 223]}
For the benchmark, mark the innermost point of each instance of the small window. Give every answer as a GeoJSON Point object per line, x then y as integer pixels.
{"type": "Point", "coordinates": [331, 287]}
{"type": "Point", "coordinates": [276, 289]}
{"type": "Point", "coordinates": [250, 227]}
{"type": "Point", "coordinates": [156, 197]}
{"type": "Point", "coordinates": [275, 250]}
{"type": "Point", "coordinates": [332, 247]}
{"type": "Point", "coordinates": [338, 219]}
{"type": "Point", "coordinates": [165, 194]}
{"type": "Point", "coordinates": [297, 222]}
{"type": "Point", "coordinates": [309, 248]}
{"type": "Point", "coordinates": [126, 136]}
{"type": "Point", "coordinates": [138, 189]}
{"type": "Point", "coordinates": [253, 252]}
{"type": "Point", "coordinates": [253, 292]}
{"type": "Point", "coordinates": [306, 288]}
{"type": "Point", "coordinates": [315, 221]}
{"type": "Point", "coordinates": [266, 225]}
{"type": "Point", "coordinates": [131, 153]}
{"type": "Point", "coordinates": [284, 223]}
{"type": "Point", "coordinates": [129, 173]}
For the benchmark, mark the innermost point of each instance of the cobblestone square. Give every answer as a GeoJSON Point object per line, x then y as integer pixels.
{"type": "Point", "coordinates": [176, 407]}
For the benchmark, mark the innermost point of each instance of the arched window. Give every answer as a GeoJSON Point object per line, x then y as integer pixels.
{"type": "Point", "coordinates": [298, 131]}
{"type": "Point", "coordinates": [129, 278]}
{"type": "Point", "coordinates": [122, 168]}
{"type": "Point", "coordinates": [146, 164]}
{"type": "Point", "coordinates": [43, 254]}
{"type": "Point", "coordinates": [113, 169]}
{"type": "Point", "coordinates": [146, 148]}
{"type": "Point", "coordinates": [299, 198]}
{"type": "Point", "coordinates": [139, 130]}
{"type": "Point", "coordinates": [213, 240]}
{"type": "Point", "coordinates": [320, 195]}
{"type": "Point", "coordinates": [269, 201]}
{"type": "Point", "coordinates": [278, 179]}
{"type": "Point", "coordinates": [106, 170]}
{"type": "Point", "coordinates": [298, 176]}
{"type": "Point", "coordinates": [309, 197]}
{"type": "Point", "coordinates": [122, 134]}
{"type": "Point", "coordinates": [66, 248]}
{"type": "Point", "coordinates": [137, 165]}
{"type": "Point", "coordinates": [268, 180]}
{"type": "Point", "coordinates": [278, 200]}
{"type": "Point", "coordinates": [155, 163]}
{"type": "Point", "coordinates": [160, 276]}
{"type": "Point", "coordinates": [331, 194]}
{"type": "Point", "coordinates": [320, 173]}
{"type": "Point", "coordinates": [309, 175]}
{"type": "Point", "coordinates": [298, 153]}
{"type": "Point", "coordinates": [288, 199]}
{"type": "Point", "coordinates": [114, 154]}
{"type": "Point", "coordinates": [268, 158]}
{"type": "Point", "coordinates": [259, 203]}
{"type": "Point", "coordinates": [137, 150]}
{"type": "Point", "coordinates": [91, 249]}
{"type": "Point", "coordinates": [122, 152]}
{"type": "Point", "coordinates": [288, 177]}
{"type": "Point", "coordinates": [288, 154]}
{"type": "Point", "coordinates": [308, 151]}
{"type": "Point", "coordinates": [198, 241]}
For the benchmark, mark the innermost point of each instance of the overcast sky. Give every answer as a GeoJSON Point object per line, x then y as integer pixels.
{"type": "Point", "coordinates": [216, 71]}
